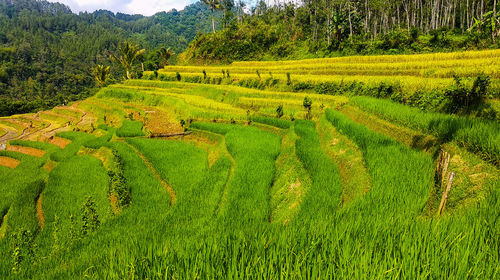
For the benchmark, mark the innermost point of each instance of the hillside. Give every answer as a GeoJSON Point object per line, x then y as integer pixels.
{"type": "Point", "coordinates": [277, 30]}
{"type": "Point", "coordinates": [47, 52]}
{"type": "Point", "coordinates": [298, 169]}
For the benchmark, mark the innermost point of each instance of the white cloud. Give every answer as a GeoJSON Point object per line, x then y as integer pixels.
{"type": "Point", "coordinates": [144, 7]}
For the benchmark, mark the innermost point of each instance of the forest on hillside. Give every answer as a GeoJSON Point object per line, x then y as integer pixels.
{"type": "Point", "coordinates": [324, 28]}
{"type": "Point", "coordinates": [47, 52]}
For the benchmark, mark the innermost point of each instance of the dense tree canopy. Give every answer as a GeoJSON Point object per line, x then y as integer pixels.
{"type": "Point", "coordinates": [47, 53]}
{"type": "Point", "coordinates": [315, 28]}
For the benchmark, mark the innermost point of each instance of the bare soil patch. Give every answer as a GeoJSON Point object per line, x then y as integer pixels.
{"type": "Point", "coordinates": [26, 150]}
{"type": "Point", "coordinates": [50, 165]}
{"type": "Point", "coordinates": [58, 141]}
{"type": "Point", "coordinates": [161, 122]}
{"type": "Point", "coordinates": [9, 162]}
{"type": "Point", "coordinates": [39, 212]}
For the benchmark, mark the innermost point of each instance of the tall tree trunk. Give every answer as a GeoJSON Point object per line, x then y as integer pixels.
{"type": "Point", "coordinates": [350, 22]}
{"type": "Point", "coordinates": [493, 31]}
{"type": "Point", "coordinates": [406, 6]}
{"type": "Point", "coordinates": [367, 16]}
{"type": "Point", "coordinates": [213, 21]}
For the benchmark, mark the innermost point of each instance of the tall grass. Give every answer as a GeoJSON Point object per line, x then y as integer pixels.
{"type": "Point", "coordinates": [284, 124]}
{"type": "Point", "coordinates": [219, 128]}
{"type": "Point", "coordinates": [130, 128]}
{"type": "Point", "coordinates": [101, 141]}
{"type": "Point", "coordinates": [254, 152]}
{"type": "Point", "coordinates": [474, 134]}
{"type": "Point", "coordinates": [77, 140]}
{"type": "Point", "coordinates": [401, 178]}
{"type": "Point", "coordinates": [69, 184]}
{"type": "Point", "coordinates": [219, 226]}
{"type": "Point", "coordinates": [323, 198]}
{"type": "Point", "coordinates": [379, 236]}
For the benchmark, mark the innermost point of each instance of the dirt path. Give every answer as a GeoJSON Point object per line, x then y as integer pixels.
{"type": "Point", "coordinates": [39, 212]}
{"type": "Point", "coordinates": [10, 134]}
{"type": "Point", "coordinates": [170, 190]}
{"type": "Point", "coordinates": [349, 160]}
{"type": "Point", "coordinates": [225, 189]}
{"type": "Point", "coordinates": [408, 137]}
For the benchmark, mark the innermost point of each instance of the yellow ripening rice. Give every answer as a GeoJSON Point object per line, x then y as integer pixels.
{"type": "Point", "coordinates": [436, 65]}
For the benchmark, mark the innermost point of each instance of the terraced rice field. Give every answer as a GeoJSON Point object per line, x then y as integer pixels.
{"type": "Point", "coordinates": [153, 179]}
{"type": "Point", "coordinates": [412, 72]}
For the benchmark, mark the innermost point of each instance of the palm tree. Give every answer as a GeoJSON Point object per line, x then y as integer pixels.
{"type": "Point", "coordinates": [101, 74]}
{"type": "Point", "coordinates": [165, 54]}
{"type": "Point", "coordinates": [214, 5]}
{"type": "Point", "coordinates": [128, 54]}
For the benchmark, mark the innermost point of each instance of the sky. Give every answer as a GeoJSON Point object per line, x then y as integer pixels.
{"type": "Point", "coordinates": [143, 7]}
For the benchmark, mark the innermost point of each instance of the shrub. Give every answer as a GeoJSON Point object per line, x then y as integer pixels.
{"type": "Point", "coordinates": [462, 99]}
{"type": "Point", "coordinates": [279, 111]}
{"type": "Point", "coordinates": [326, 88]}
{"type": "Point", "coordinates": [90, 218]}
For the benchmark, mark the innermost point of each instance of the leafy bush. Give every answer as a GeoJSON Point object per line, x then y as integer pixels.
{"type": "Point", "coordinates": [327, 88]}
{"type": "Point", "coordinates": [462, 99]}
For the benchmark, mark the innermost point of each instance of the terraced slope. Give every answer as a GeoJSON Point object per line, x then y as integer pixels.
{"type": "Point", "coordinates": [153, 179]}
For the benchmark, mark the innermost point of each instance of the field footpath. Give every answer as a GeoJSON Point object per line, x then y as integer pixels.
{"type": "Point", "coordinates": [221, 204]}
{"type": "Point", "coordinates": [39, 211]}
{"type": "Point", "coordinates": [356, 180]}
{"type": "Point", "coordinates": [10, 134]}
{"type": "Point", "coordinates": [170, 190]}
{"type": "Point", "coordinates": [291, 182]}
{"type": "Point", "coordinates": [408, 137]}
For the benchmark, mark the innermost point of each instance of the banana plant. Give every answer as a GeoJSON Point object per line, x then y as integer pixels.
{"type": "Point", "coordinates": [165, 54]}
{"type": "Point", "coordinates": [489, 23]}
{"type": "Point", "coordinates": [101, 74]}
{"type": "Point", "coordinates": [127, 55]}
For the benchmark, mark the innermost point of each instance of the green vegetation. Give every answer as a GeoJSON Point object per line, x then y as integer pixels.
{"type": "Point", "coordinates": [334, 28]}
{"type": "Point", "coordinates": [323, 198]}
{"type": "Point", "coordinates": [284, 124]}
{"type": "Point", "coordinates": [65, 195]}
{"type": "Point", "coordinates": [312, 169]}
{"type": "Point", "coordinates": [77, 140]}
{"type": "Point", "coordinates": [474, 134]}
{"type": "Point", "coordinates": [254, 152]}
{"type": "Point", "coordinates": [74, 44]}
{"type": "Point", "coordinates": [269, 197]}
{"type": "Point", "coordinates": [130, 129]}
